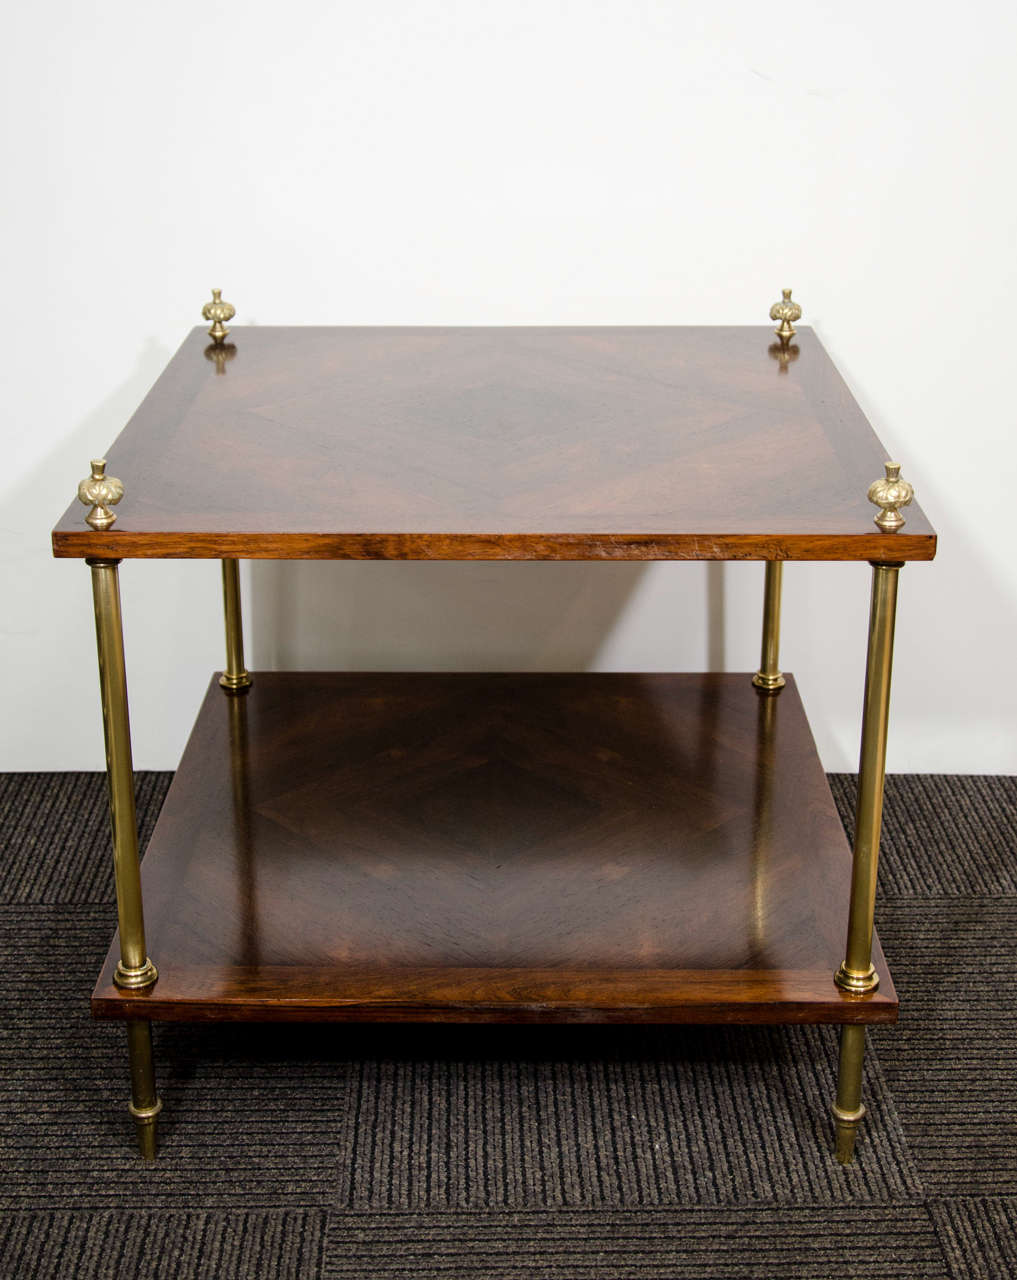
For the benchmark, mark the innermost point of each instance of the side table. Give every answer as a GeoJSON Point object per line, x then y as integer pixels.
{"type": "Point", "coordinates": [498, 848]}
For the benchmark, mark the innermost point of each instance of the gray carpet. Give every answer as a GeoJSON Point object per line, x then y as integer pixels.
{"type": "Point", "coordinates": [509, 1152]}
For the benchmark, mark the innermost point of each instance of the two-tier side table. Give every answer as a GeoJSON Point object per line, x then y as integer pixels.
{"type": "Point", "coordinates": [614, 848]}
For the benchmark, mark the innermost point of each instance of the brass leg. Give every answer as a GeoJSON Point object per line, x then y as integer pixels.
{"type": "Point", "coordinates": [761, 864]}
{"type": "Point", "coordinates": [856, 974]}
{"type": "Point", "coordinates": [848, 1110]}
{"type": "Point", "coordinates": [236, 676]}
{"type": "Point", "coordinates": [768, 677]}
{"type": "Point", "coordinates": [134, 969]}
{"type": "Point", "coordinates": [144, 1105]}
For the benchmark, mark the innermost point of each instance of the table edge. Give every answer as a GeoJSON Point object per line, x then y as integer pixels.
{"type": "Point", "coordinates": [136, 545]}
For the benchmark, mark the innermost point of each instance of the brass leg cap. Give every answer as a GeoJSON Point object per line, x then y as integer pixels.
{"type": "Point", "coordinates": [135, 979]}
{"type": "Point", "coordinates": [769, 684]}
{"type": "Point", "coordinates": [858, 984]}
{"type": "Point", "coordinates": [235, 684]}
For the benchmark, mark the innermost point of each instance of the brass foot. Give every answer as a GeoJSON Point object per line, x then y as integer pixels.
{"type": "Point", "coordinates": [145, 1121]}
{"type": "Point", "coordinates": [768, 683]}
{"type": "Point", "coordinates": [846, 1123]}
{"type": "Point", "coordinates": [235, 683]}
{"type": "Point", "coordinates": [134, 979]}
{"type": "Point", "coordinates": [858, 984]}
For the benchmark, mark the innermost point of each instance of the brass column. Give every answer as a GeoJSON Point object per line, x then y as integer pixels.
{"type": "Point", "coordinates": [761, 864]}
{"type": "Point", "coordinates": [236, 676]}
{"type": "Point", "coordinates": [134, 969]}
{"type": "Point", "coordinates": [768, 677]}
{"type": "Point", "coordinates": [856, 974]}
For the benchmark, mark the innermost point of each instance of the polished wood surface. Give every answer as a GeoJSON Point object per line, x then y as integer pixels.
{"type": "Point", "coordinates": [524, 443]}
{"type": "Point", "coordinates": [659, 848]}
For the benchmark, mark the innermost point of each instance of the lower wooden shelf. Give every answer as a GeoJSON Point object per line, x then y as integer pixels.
{"type": "Point", "coordinates": [500, 848]}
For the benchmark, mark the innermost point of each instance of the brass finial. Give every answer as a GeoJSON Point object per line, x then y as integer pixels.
{"type": "Point", "coordinates": [889, 494]}
{"type": "Point", "coordinates": [218, 312]}
{"type": "Point", "coordinates": [100, 492]}
{"type": "Point", "coordinates": [785, 311]}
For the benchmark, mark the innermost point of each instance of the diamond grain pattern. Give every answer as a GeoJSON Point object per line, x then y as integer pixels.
{"type": "Point", "coordinates": [510, 443]}
{"type": "Point", "coordinates": [543, 846]}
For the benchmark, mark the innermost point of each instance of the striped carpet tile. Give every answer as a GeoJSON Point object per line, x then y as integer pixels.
{"type": "Point", "coordinates": [979, 1236]}
{"type": "Point", "coordinates": [942, 834]}
{"type": "Point", "coordinates": [56, 845]}
{"type": "Point", "coordinates": [949, 1062]}
{"type": "Point", "coordinates": [800, 1243]}
{"type": "Point", "coordinates": [251, 1113]}
{"type": "Point", "coordinates": [705, 1115]}
{"type": "Point", "coordinates": [162, 1246]}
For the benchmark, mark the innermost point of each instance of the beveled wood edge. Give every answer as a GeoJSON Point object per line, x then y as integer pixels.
{"type": "Point", "coordinates": [499, 995]}
{"type": "Point", "coordinates": [128, 545]}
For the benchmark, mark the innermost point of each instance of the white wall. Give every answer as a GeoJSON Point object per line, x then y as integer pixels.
{"type": "Point", "coordinates": [514, 162]}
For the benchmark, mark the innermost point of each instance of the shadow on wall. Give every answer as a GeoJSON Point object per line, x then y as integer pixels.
{"type": "Point", "coordinates": [436, 615]}
{"type": "Point", "coordinates": [449, 616]}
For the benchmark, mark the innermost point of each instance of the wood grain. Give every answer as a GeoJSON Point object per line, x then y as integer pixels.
{"type": "Point", "coordinates": [400, 847]}
{"type": "Point", "coordinates": [572, 444]}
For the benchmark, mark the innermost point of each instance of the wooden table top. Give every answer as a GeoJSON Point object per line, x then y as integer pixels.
{"type": "Point", "coordinates": [508, 443]}
{"type": "Point", "coordinates": [511, 847]}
